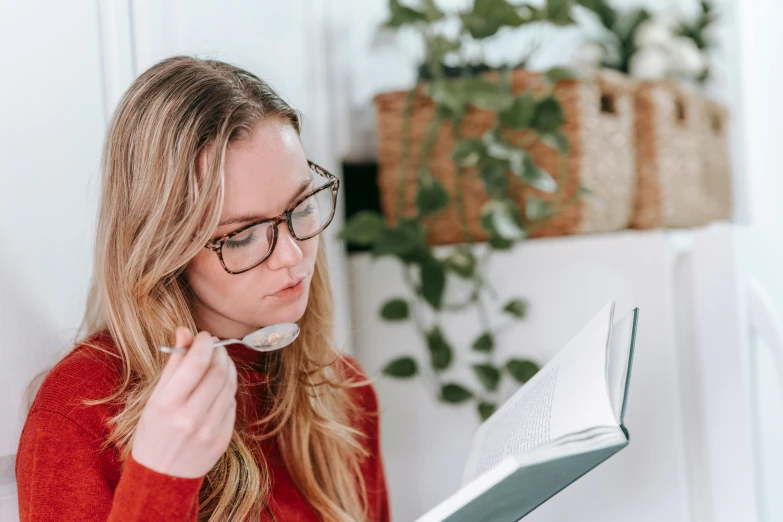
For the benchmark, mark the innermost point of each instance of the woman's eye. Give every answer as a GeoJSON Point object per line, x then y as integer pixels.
{"type": "Point", "coordinates": [241, 240]}
{"type": "Point", "coordinates": [309, 209]}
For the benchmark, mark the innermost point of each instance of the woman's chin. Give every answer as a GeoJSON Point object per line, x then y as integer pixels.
{"type": "Point", "coordinates": [289, 312]}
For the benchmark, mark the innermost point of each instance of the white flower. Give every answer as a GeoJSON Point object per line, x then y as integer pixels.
{"type": "Point", "coordinates": [650, 63]}
{"type": "Point", "coordinates": [653, 33]}
{"type": "Point", "coordinates": [687, 59]}
{"type": "Point", "coordinates": [588, 56]}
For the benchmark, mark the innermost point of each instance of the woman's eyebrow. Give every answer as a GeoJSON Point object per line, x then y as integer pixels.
{"type": "Point", "coordinates": [303, 184]}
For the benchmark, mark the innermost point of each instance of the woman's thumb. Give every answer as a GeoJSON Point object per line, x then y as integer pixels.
{"type": "Point", "coordinates": [183, 337]}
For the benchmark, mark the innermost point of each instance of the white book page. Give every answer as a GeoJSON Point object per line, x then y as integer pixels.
{"type": "Point", "coordinates": [567, 396]}
{"type": "Point", "coordinates": [617, 362]}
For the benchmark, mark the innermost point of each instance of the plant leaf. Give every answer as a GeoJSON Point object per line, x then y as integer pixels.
{"type": "Point", "coordinates": [449, 94]}
{"type": "Point", "coordinates": [431, 11]}
{"type": "Point", "coordinates": [559, 12]}
{"type": "Point", "coordinates": [401, 368]}
{"type": "Point", "coordinates": [486, 409]}
{"type": "Point", "coordinates": [548, 117]}
{"type": "Point", "coordinates": [502, 218]}
{"type": "Point", "coordinates": [603, 10]}
{"type": "Point", "coordinates": [498, 243]}
{"type": "Point", "coordinates": [537, 177]}
{"type": "Point", "coordinates": [363, 228]}
{"type": "Point", "coordinates": [394, 241]}
{"type": "Point", "coordinates": [402, 15]}
{"type": "Point", "coordinates": [516, 307]}
{"type": "Point", "coordinates": [518, 161]}
{"type": "Point", "coordinates": [468, 153]}
{"type": "Point", "coordinates": [521, 370]}
{"type": "Point", "coordinates": [431, 196]}
{"type": "Point", "coordinates": [537, 208]}
{"type": "Point", "coordinates": [488, 375]}
{"type": "Point", "coordinates": [494, 176]}
{"type": "Point", "coordinates": [433, 281]}
{"type": "Point", "coordinates": [558, 74]}
{"type": "Point", "coordinates": [520, 114]}
{"type": "Point", "coordinates": [462, 262]}
{"type": "Point", "coordinates": [488, 16]}
{"type": "Point", "coordinates": [495, 145]}
{"type": "Point", "coordinates": [439, 46]}
{"type": "Point", "coordinates": [484, 342]}
{"type": "Point", "coordinates": [454, 393]}
{"type": "Point", "coordinates": [487, 95]}
{"type": "Point", "coordinates": [441, 353]}
{"type": "Point", "coordinates": [557, 141]}
{"type": "Point", "coordinates": [395, 310]}
{"type": "Point", "coordinates": [478, 27]}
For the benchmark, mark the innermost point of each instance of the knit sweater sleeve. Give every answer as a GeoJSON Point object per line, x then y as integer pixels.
{"type": "Point", "coordinates": [63, 474]}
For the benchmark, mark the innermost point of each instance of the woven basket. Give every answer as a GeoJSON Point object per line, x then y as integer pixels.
{"type": "Point", "coordinates": [684, 172]}
{"type": "Point", "coordinates": [715, 153]}
{"type": "Point", "coordinates": [599, 127]}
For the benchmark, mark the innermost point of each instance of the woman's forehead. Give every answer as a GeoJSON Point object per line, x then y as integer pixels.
{"type": "Point", "coordinates": [264, 170]}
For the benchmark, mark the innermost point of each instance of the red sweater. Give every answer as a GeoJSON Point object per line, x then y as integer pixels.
{"type": "Point", "coordinates": [63, 474]}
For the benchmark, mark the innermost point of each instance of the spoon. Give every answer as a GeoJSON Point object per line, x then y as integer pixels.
{"type": "Point", "coordinates": [266, 339]}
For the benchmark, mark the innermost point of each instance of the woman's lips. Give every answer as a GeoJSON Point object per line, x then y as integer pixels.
{"type": "Point", "coordinates": [290, 293]}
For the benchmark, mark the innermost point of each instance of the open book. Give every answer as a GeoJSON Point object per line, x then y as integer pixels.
{"type": "Point", "coordinates": [561, 424]}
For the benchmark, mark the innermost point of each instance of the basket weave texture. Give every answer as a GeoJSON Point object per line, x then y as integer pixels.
{"type": "Point", "coordinates": [682, 153]}
{"type": "Point", "coordinates": [599, 124]}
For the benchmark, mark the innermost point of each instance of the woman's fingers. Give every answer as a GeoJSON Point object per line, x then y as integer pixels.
{"type": "Point", "coordinates": [223, 409]}
{"type": "Point", "coordinates": [192, 368]}
{"type": "Point", "coordinates": [183, 339]}
{"type": "Point", "coordinates": [200, 401]}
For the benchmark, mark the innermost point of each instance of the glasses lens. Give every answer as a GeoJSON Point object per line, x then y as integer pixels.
{"type": "Point", "coordinates": [313, 214]}
{"type": "Point", "coordinates": [248, 247]}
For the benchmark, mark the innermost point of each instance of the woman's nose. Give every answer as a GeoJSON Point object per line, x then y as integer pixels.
{"type": "Point", "coordinates": [287, 252]}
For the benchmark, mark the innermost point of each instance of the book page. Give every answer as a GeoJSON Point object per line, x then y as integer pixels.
{"type": "Point", "coordinates": [527, 424]}
{"type": "Point", "coordinates": [567, 396]}
{"type": "Point", "coordinates": [617, 362]}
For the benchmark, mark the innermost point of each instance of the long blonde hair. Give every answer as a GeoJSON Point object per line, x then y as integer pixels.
{"type": "Point", "coordinates": [157, 210]}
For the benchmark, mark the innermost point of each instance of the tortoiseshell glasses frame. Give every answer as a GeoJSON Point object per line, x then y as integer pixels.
{"type": "Point", "coordinates": [332, 184]}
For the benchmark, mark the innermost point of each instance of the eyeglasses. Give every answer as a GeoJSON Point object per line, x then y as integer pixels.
{"type": "Point", "coordinates": [251, 245]}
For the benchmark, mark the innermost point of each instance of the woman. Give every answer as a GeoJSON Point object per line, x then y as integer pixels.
{"type": "Point", "coordinates": [209, 221]}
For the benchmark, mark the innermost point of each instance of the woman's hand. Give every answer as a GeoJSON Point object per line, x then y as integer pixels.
{"type": "Point", "coordinates": [187, 423]}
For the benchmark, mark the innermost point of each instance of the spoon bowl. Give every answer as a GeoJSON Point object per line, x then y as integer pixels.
{"type": "Point", "coordinates": [266, 339]}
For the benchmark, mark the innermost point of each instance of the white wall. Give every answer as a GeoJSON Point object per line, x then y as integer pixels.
{"type": "Point", "coordinates": [761, 111]}
{"type": "Point", "coordinates": [52, 125]}
{"type": "Point", "coordinates": [760, 125]}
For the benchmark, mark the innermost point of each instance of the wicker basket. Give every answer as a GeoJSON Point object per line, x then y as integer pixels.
{"type": "Point", "coordinates": [599, 127]}
{"type": "Point", "coordinates": [682, 158]}
{"type": "Point", "coordinates": [715, 153]}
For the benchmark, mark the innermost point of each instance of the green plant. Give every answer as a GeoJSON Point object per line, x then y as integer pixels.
{"type": "Point", "coordinates": [503, 168]}
{"type": "Point", "coordinates": [620, 40]}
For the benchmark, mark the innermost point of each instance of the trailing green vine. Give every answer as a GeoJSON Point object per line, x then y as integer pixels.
{"type": "Point", "coordinates": [501, 165]}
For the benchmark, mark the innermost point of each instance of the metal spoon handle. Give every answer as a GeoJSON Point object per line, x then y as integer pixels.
{"type": "Point", "coordinates": [226, 342]}
{"type": "Point", "coordinates": [169, 349]}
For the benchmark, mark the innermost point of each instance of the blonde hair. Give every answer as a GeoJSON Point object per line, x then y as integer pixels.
{"type": "Point", "coordinates": [157, 210]}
